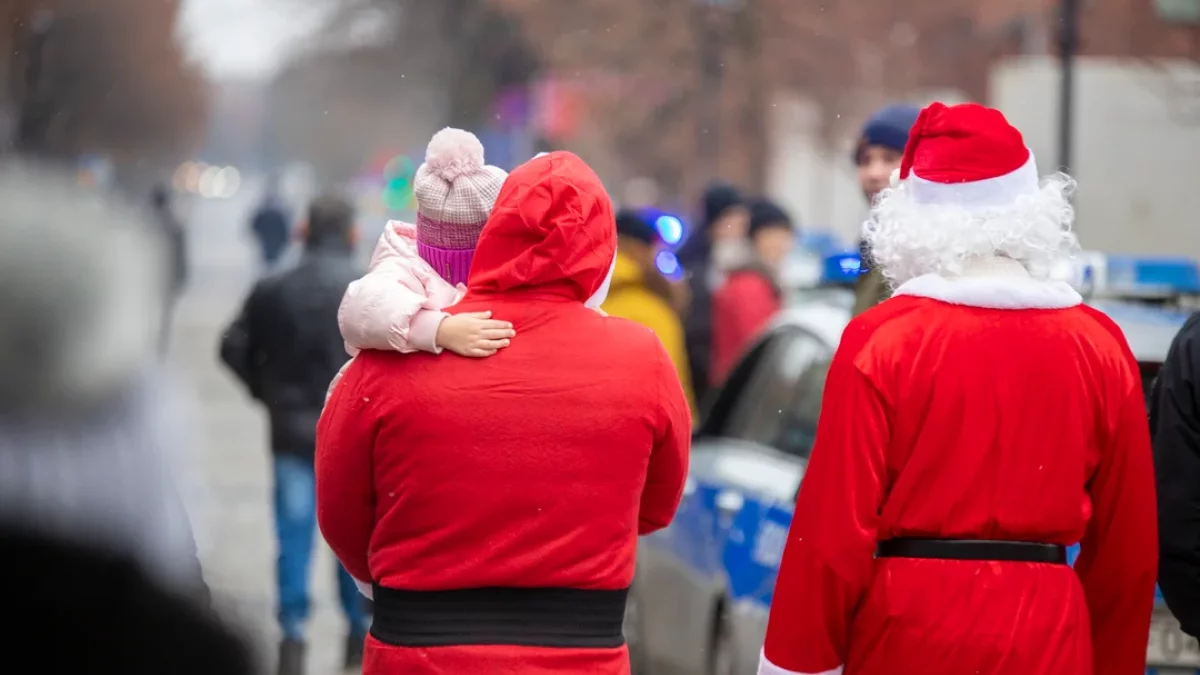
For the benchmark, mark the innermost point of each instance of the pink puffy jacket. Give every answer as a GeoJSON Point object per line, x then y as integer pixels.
{"type": "Point", "coordinates": [397, 305]}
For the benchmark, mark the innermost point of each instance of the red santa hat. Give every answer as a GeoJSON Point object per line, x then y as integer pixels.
{"type": "Point", "coordinates": [968, 156]}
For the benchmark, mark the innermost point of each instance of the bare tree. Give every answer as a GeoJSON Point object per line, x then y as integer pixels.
{"type": "Point", "coordinates": [106, 76]}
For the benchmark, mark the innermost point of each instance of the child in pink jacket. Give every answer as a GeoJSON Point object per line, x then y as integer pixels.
{"type": "Point", "coordinates": [418, 271]}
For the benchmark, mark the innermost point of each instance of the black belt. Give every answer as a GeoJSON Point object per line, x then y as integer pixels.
{"type": "Point", "coordinates": [535, 617]}
{"type": "Point", "coordinates": [972, 549]}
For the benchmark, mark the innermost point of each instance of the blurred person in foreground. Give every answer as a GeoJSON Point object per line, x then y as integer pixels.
{"type": "Point", "coordinates": [285, 347]}
{"type": "Point", "coordinates": [97, 560]}
{"type": "Point", "coordinates": [973, 426]}
{"type": "Point", "coordinates": [751, 295]}
{"type": "Point", "coordinates": [1175, 425]}
{"type": "Point", "coordinates": [877, 154]}
{"type": "Point", "coordinates": [640, 293]}
{"type": "Point", "coordinates": [492, 506]}
{"type": "Point", "coordinates": [272, 228]}
{"type": "Point", "coordinates": [713, 249]}
{"type": "Point", "coordinates": [170, 228]}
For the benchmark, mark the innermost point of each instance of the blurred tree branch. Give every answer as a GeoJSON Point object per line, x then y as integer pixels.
{"type": "Point", "coordinates": [105, 76]}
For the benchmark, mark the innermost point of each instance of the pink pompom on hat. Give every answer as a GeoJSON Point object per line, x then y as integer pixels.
{"type": "Point", "coordinates": [455, 193]}
{"type": "Point", "coordinates": [967, 156]}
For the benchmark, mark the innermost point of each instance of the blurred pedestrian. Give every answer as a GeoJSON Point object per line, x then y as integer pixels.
{"type": "Point", "coordinates": [1175, 425]}
{"type": "Point", "coordinates": [171, 229]}
{"type": "Point", "coordinates": [877, 156]}
{"type": "Point", "coordinates": [285, 347]}
{"type": "Point", "coordinates": [972, 427]}
{"type": "Point", "coordinates": [717, 245]}
{"type": "Point", "coordinates": [418, 271]}
{"type": "Point", "coordinates": [94, 537]}
{"type": "Point", "coordinates": [492, 507]}
{"type": "Point", "coordinates": [640, 293]}
{"type": "Point", "coordinates": [743, 306]}
{"type": "Point", "coordinates": [271, 227]}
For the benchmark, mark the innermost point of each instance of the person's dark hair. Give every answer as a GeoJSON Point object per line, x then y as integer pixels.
{"type": "Point", "coordinates": [630, 224]}
{"type": "Point", "coordinates": [717, 200]}
{"type": "Point", "coordinates": [330, 220]}
{"type": "Point", "coordinates": [765, 214]}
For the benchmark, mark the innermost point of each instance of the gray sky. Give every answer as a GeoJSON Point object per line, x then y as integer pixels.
{"type": "Point", "coordinates": [247, 38]}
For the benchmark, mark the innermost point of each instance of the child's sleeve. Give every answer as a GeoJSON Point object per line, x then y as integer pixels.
{"type": "Point", "coordinates": [389, 309]}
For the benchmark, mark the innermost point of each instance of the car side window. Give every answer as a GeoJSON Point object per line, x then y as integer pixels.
{"type": "Point", "coordinates": [766, 413]}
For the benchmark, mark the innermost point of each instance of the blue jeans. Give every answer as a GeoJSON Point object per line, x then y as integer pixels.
{"type": "Point", "coordinates": [295, 525]}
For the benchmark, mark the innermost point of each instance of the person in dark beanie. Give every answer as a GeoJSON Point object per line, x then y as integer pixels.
{"type": "Point", "coordinates": [640, 293]}
{"type": "Point", "coordinates": [286, 347]}
{"type": "Point", "coordinates": [717, 245]}
{"type": "Point", "coordinates": [751, 294]}
{"type": "Point", "coordinates": [877, 154]}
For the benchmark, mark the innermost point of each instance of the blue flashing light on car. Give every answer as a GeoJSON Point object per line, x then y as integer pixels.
{"type": "Point", "coordinates": [842, 268]}
{"type": "Point", "coordinates": [668, 264]}
{"type": "Point", "coordinates": [1134, 276]}
{"type": "Point", "coordinates": [669, 228]}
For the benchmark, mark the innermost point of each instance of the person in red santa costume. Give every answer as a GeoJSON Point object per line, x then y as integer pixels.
{"type": "Point", "coordinates": [494, 506]}
{"type": "Point", "coordinates": [972, 427]}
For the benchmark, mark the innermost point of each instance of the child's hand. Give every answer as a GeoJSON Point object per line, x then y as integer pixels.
{"type": "Point", "coordinates": [474, 334]}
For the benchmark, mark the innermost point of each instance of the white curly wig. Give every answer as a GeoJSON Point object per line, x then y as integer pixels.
{"type": "Point", "coordinates": [907, 238]}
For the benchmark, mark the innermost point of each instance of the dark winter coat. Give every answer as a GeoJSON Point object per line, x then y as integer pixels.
{"type": "Point", "coordinates": [271, 228]}
{"type": "Point", "coordinates": [1175, 425]}
{"type": "Point", "coordinates": [285, 345]}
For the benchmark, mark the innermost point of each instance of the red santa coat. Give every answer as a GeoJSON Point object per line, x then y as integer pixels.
{"type": "Point", "coordinates": [977, 408]}
{"type": "Point", "coordinates": [536, 467]}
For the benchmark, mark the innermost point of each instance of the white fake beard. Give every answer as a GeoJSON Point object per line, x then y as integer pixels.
{"type": "Point", "coordinates": [907, 239]}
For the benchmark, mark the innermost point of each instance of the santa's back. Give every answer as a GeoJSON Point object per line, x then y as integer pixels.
{"type": "Point", "coordinates": [1020, 401]}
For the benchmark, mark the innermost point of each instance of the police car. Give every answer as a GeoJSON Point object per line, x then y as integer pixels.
{"type": "Point", "coordinates": [703, 587]}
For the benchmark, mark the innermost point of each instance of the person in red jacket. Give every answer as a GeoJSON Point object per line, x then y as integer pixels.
{"type": "Point", "coordinates": [494, 506]}
{"type": "Point", "coordinates": [973, 426]}
{"type": "Point", "coordinates": [750, 296]}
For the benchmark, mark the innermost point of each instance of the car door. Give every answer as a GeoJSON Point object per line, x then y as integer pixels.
{"type": "Point", "coordinates": [735, 477]}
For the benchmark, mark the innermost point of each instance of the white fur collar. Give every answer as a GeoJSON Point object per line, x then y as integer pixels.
{"type": "Point", "coordinates": [994, 283]}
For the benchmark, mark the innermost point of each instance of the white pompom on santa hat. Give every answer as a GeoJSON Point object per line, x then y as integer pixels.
{"type": "Point", "coordinates": [968, 191]}
{"type": "Point", "coordinates": [968, 156]}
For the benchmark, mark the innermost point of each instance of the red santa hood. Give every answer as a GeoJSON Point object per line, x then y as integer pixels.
{"type": "Point", "coordinates": [551, 233]}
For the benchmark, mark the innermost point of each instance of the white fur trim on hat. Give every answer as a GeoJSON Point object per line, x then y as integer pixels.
{"type": "Point", "coordinates": [980, 194]}
{"type": "Point", "coordinates": [601, 293]}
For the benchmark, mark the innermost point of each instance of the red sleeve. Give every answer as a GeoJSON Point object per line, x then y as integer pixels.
{"type": "Point", "coordinates": [1118, 558]}
{"type": "Point", "coordinates": [828, 561]}
{"type": "Point", "coordinates": [742, 308]}
{"type": "Point", "coordinates": [345, 488]}
{"type": "Point", "coordinates": [667, 471]}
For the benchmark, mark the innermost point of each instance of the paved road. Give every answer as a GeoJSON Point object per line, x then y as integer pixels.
{"type": "Point", "coordinates": [227, 459]}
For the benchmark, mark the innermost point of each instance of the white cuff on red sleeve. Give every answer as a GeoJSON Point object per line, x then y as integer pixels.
{"type": "Point", "coordinates": [765, 667]}
{"type": "Point", "coordinates": [367, 590]}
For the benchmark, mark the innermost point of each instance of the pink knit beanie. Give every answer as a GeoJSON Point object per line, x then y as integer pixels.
{"type": "Point", "coordinates": [455, 192]}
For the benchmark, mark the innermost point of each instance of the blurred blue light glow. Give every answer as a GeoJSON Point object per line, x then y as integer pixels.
{"type": "Point", "coordinates": [668, 264]}
{"type": "Point", "coordinates": [842, 268]}
{"type": "Point", "coordinates": [670, 229]}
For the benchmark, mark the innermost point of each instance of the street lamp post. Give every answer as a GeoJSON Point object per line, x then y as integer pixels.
{"type": "Point", "coordinates": [712, 75]}
{"type": "Point", "coordinates": [31, 116]}
{"type": "Point", "coordinates": [1068, 46]}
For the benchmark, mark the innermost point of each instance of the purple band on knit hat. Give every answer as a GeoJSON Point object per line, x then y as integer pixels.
{"type": "Point", "coordinates": [447, 235]}
{"type": "Point", "coordinates": [452, 264]}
